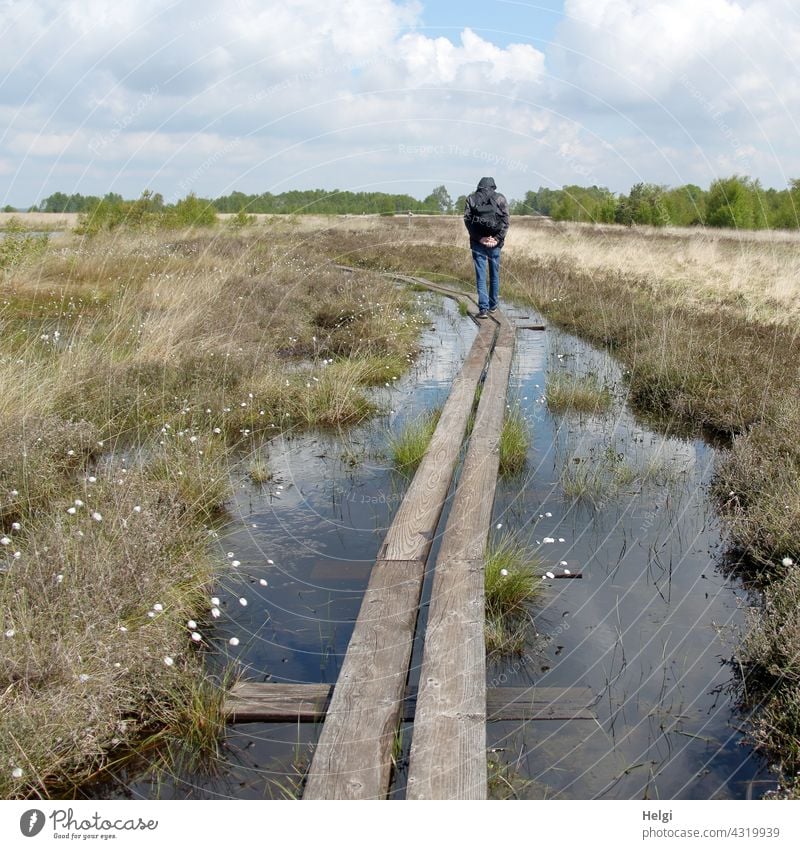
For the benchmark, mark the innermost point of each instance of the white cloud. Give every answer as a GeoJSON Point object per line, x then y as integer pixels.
{"type": "Point", "coordinates": [651, 90]}
{"type": "Point", "coordinates": [475, 63]}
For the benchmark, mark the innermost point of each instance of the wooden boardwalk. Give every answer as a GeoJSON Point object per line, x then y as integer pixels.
{"type": "Point", "coordinates": [448, 744]}
{"type": "Point", "coordinates": [363, 711]}
{"type": "Point", "coordinates": [352, 759]}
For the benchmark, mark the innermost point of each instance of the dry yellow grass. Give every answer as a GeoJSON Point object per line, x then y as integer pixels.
{"type": "Point", "coordinates": [173, 350]}
{"type": "Point", "coordinates": [755, 273]}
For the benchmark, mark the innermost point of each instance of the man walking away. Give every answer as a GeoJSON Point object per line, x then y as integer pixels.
{"type": "Point", "coordinates": [486, 220]}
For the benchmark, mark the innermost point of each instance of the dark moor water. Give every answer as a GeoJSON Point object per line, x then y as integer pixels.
{"type": "Point", "coordinates": [649, 628]}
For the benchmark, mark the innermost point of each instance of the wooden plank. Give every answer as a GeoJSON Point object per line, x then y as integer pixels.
{"type": "Point", "coordinates": [533, 703]}
{"type": "Point", "coordinates": [352, 759]}
{"type": "Point", "coordinates": [410, 535]}
{"type": "Point", "coordinates": [340, 570]}
{"type": "Point", "coordinates": [531, 327]}
{"type": "Point", "coordinates": [267, 702]}
{"type": "Point", "coordinates": [448, 745]}
{"type": "Point", "coordinates": [274, 702]}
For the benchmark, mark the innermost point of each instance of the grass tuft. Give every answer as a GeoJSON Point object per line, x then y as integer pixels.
{"type": "Point", "coordinates": [409, 446]}
{"type": "Point", "coordinates": [510, 584]}
{"type": "Point", "coordinates": [514, 442]}
{"type": "Point", "coordinates": [585, 394]}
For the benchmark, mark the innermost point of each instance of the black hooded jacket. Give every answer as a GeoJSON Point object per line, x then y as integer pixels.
{"type": "Point", "coordinates": [486, 190]}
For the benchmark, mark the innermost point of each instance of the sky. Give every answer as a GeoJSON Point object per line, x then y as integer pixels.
{"type": "Point", "coordinates": [201, 96]}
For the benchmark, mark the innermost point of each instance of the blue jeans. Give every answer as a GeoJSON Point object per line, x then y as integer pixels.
{"type": "Point", "coordinates": [480, 256]}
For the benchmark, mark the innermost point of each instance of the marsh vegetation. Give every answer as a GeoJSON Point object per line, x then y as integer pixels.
{"type": "Point", "coordinates": [140, 370]}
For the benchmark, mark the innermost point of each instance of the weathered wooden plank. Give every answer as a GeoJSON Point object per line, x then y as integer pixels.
{"type": "Point", "coordinates": [352, 759]}
{"type": "Point", "coordinates": [340, 570]}
{"type": "Point", "coordinates": [529, 703]}
{"type": "Point", "coordinates": [448, 745]}
{"type": "Point", "coordinates": [268, 702]}
{"type": "Point", "coordinates": [410, 535]}
{"type": "Point", "coordinates": [275, 702]}
{"type": "Point", "coordinates": [531, 327]}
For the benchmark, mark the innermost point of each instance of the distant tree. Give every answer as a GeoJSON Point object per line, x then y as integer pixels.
{"type": "Point", "coordinates": [57, 202]}
{"type": "Point", "coordinates": [439, 200]}
{"type": "Point", "coordinates": [784, 207]}
{"type": "Point", "coordinates": [9, 208]}
{"type": "Point", "coordinates": [730, 203]}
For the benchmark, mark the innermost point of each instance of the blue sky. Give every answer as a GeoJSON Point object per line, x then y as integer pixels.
{"type": "Point", "coordinates": [501, 21]}
{"type": "Point", "coordinates": [393, 95]}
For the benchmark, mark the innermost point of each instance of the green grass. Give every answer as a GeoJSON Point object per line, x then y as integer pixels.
{"type": "Point", "coordinates": [696, 355]}
{"type": "Point", "coordinates": [510, 585]}
{"type": "Point", "coordinates": [514, 442]}
{"type": "Point", "coordinates": [566, 393]}
{"type": "Point", "coordinates": [503, 781]}
{"type": "Point", "coordinates": [408, 447]}
{"type": "Point", "coordinates": [584, 481]}
{"type": "Point", "coordinates": [172, 353]}
{"type": "Point", "coordinates": [258, 471]}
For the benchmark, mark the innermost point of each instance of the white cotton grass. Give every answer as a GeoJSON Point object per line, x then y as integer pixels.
{"type": "Point", "coordinates": [196, 636]}
{"type": "Point", "coordinates": [214, 601]}
{"type": "Point", "coordinates": [787, 561]}
{"type": "Point", "coordinates": [234, 641]}
{"type": "Point", "coordinates": [168, 661]}
{"type": "Point", "coordinates": [5, 541]}
{"type": "Point", "coordinates": [549, 575]}
{"type": "Point", "coordinates": [215, 612]}
{"type": "Point", "coordinates": [98, 517]}
{"type": "Point", "coordinates": [263, 582]}
{"type": "Point", "coordinates": [15, 526]}
{"type": "Point", "coordinates": [16, 772]}
{"type": "Point", "coordinates": [243, 602]}
{"type": "Point", "coordinates": [548, 540]}
{"type": "Point", "coordinates": [504, 572]}
{"type": "Point", "coordinates": [191, 625]}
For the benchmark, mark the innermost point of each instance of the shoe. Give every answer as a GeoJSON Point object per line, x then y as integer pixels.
{"type": "Point", "coordinates": [492, 310]}
{"type": "Point", "coordinates": [483, 314]}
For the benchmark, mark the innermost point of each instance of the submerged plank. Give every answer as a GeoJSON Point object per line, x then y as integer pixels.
{"type": "Point", "coordinates": [526, 703]}
{"type": "Point", "coordinates": [267, 702]}
{"type": "Point", "coordinates": [274, 702]}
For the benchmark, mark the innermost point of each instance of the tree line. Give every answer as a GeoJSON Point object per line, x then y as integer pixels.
{"type": "Point", "coordinates": [737, 201]}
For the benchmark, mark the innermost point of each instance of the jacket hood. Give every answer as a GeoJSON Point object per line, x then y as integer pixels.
{"type": "Point", "coordinates": [487, 183]}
